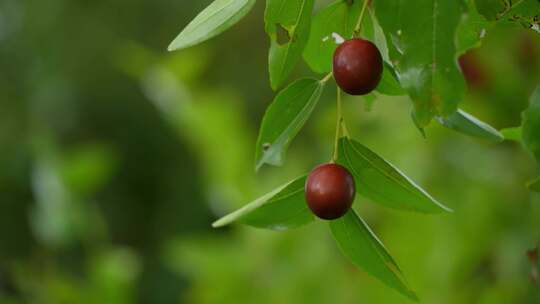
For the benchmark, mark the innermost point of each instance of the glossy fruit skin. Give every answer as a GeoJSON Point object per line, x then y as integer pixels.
{"type": "Point", "coordinates": [358, 66]}
{"type": "Point", "coordinates": [330, 191]}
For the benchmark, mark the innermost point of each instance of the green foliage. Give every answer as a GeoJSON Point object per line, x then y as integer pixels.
{"type": "Point", "coordinates": [389, 84]}
{"type": "Point", "coordinates": [212, 21]}
{"type": "Point", "coordinates": [339, 17]}
{"type": "Point", "coordinates": [514, 134]}
{"type": "Point", "coordinates": [284, 118]}
{"type": "Point", "coordinates": [287, 23]}
{"type": "Point", "coordinates": [281, 209]}
{"type": "Point", "coordinates": [109, 178]}
{"type": "Point", "coordinates": [381, 182]}
{"type": "Point", "coordinates": [535, 185]}
{"type": "Point", "coordinates": [530, 132]}
{"type": "Point", "coordinates": [424, 54]}
{"type": "Point", "coordinates": [465, 123]}
{"type": "Point", "coordinates": [363, 248]}
{"type": "Point", "coordinates": [471, 29]}
{"type": "Point", "coordinates": [531, 125]}
{"type": "Point", "coordinates": [522, 11]}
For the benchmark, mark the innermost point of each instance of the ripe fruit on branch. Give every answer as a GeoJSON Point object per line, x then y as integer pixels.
{"type": "Point", "coordinates": [330, 191]}
{"type": "Point", "coordinates": [358, 66]}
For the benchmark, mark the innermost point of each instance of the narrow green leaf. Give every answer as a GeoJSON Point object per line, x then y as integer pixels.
{"type": "Point", "coordinates": [534, 185]}
{"type": "Point", "coordinates": [283, 208]}
{"type": "Point", "coordinates": [531, 125]}
{"type": "Point", "coordinates": [376, 34]}
{"type": "Point", "coordinates": [363, 248]}
{"type": "Point", "coordinates": [288, 24]}
{"type": "Point", "coordinates": [212, 21]}
{"type": "Point", "coordinates": [284, 118]}
{"type": "Point", "coordinates": [381, 182]}
{"type": "Point", "coordinates": [514, 134]}
{"type": "Point", "coordinates": [423, 52]}
{"type": "Point", "coordinates": [339, 18]}
{"type": "Point", "coordinates": [465, 123]}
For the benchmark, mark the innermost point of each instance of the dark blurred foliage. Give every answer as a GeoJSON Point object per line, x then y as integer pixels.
{"type": "Point", "coordinates": [116, 156]}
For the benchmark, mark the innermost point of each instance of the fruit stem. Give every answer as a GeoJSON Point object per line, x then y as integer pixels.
{"type": "Point", "coordinates": [358, 26]}
{"type": "Point", "coordinates": [339, 123]}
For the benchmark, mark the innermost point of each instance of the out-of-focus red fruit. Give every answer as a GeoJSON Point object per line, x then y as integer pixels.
{"type": "Point", "coordinates": [472, 69]}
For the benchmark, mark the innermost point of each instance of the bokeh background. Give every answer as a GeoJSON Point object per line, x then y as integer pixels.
{"type": "Point", "coordinates": [116, 156]}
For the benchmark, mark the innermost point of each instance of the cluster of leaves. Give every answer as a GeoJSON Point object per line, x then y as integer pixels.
{"type": "Point", "coordinates": [420, 60]}
{"type": "Point", "coordinates": [524, 12]}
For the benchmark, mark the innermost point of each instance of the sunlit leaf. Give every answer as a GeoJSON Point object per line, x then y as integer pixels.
{"type": "Point", "coordinates": [85, 169]}
{"type": "Point", "coordinates": [339, 17]}
{"type": "Point", "coordinates": [284, 118]}
{"type": "Point", "coordinates": [465, 123]}
{"type": "Point", "coordinates": [422, 49]}
{"type": "Point", "coordinates": [363, 248]}
{"type": "Point", "coordinates": [288, 24]}
{"type": "Point", "coordinates": [283, 208]}
{"type": "Point", "coordinates": [212, 21]}
{"type": "Point", "coordinates": [383, 183]}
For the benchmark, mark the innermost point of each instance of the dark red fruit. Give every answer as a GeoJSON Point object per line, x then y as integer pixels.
{"type": "Point", "coordinates": [473, 70]}
{"type": "Point", "coordinates": [358, 66]}
{"type": "Point", "coordinates": [330, 191]}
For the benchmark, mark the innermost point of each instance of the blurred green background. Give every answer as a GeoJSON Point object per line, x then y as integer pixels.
{"type": "Point", "coordinates": [115, 157]}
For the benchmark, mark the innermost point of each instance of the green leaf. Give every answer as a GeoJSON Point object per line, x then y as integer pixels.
{"type": "Point", "coordinates": [534, 185]}
{"type": "Point", "coordinates": [339, 17]}
{"type": "Point", "coordinates": [288, 24]}
{"type": "Point", "coordinates": [389, 84]}
{"type": "Point", "coordinates": [465, 123]}
{"type": "Point", "coordinates": [376, 34]}
{"type": "Point", "coordinates": [514, 134]}
{"type": "Point", "coordinates": [284, 118]}
{"type": "Point", "coordinates": [283, 208]}
{"type": "Point", "coordinates": [522, 11]}
{"type": "Point", "coordinates": [423, 53]}
{"type": "Point", "coordinates": [363, 248]}
{"type": "Point", "coordinates": [381, 182]}
{"type": "Point", "coordinates": [490, 8]}
{"type": "Point", "coordinates": [531, 125]}
{"type": "Point", "coordinates": [471, 29]}
{"type": "Point", "coordinates": [212, 21]}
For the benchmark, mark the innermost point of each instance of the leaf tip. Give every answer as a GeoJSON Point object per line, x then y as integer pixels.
{"type": "Point", "coordinates": [174, 45]}
{"type": "Point", "coordinates": [441, 208]}
{"type": "Point", "coordinates": [446, 209]}
{"type": "Point", "coordinates": [218, 224]}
